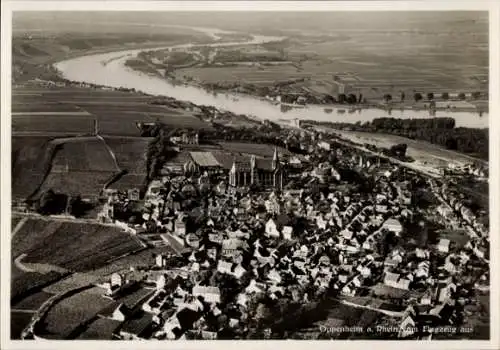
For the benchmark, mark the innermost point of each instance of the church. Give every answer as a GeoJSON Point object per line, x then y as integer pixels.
{"type": "Point", "coordinates": [263, 172]}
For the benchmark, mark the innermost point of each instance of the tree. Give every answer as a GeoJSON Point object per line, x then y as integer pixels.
{"type": "Point", "coordinates": [476, 95]}
{"type": "Point", "coordinates": [417, 96]}
{"type": "Point", "coordinates": [341, 98]}
{"type": "Point", "coordinates": [46, 202]}
{"type": "Point", "coordinates": [402, 96]}
{"type": "Point", "coordinates": [430, 96]}
{"type": "Point", "coordinates": [351, 99]}
{"type": "Point", "coordinates": [399, 149]}
{"type": "Point", "coordinates": [76, 206]}
{"type": "Point", "coordinates": [387, 98]}
{"type": "Point", "coordinates": [445, 96]}
{"type": "Point", "coordinates": [461, 96]}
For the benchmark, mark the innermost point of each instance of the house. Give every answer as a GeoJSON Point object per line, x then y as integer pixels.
{"type": "Point", "coordinates": [133, 194]}
{"type": "Point", "coordinates": [274, 276]}
{"type": "Point", "coordinates": [271, 229]}
{"type": "Point", "coordinates": [255, 287]}
{"type": "Point", "coordinates": [407, 327]}
{"type": "Point", "coordinates": [446, 292]}
{"type": "Point", "coordinates": [231, 246]}
{"type": "Point", "coordinates": [238, 271]}
{"type": "Point", "coordinates": [393, 225]}
{"type": "Point", "coordinates": [426, 298]}
{"type": "Point", "coordinates": [287, 232]}
{"type": "Point", "coordinates": [421, 253]}
{"type": "Point", "coordinates": [180, 228]}
{"type": "Point", "coordinates": [443, 245]}
{"type": "Point", "coordinates": [224, 267]}
{"type": "Point", "coordinates": [348, 290]}
{"type": "Point", "coordinates": [116, 280]}
{"type": "Point", "coordinates": [209, 293]}
{"type": "Point", "coordinates": [161, 260]}
{"type": "Point", "coordinates": [394, 280]}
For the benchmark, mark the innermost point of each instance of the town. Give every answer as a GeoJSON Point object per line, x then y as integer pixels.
{"type": "Point", "coordinates": [245, 240]}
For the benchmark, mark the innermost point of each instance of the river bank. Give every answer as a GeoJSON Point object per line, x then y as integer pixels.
{"type": "Point", "coordinates": [89, 69]}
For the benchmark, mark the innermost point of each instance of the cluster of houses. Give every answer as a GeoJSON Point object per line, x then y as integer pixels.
{"type": "Point", "coordinates": [237, 248]}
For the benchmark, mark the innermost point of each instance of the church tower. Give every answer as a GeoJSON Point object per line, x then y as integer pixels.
{"type": "Point", "coordinates": [253, 169]}
{"type": "Point", "coordinates": [96, 127]}
{"type": "Point", "coordinates": [275, 163]}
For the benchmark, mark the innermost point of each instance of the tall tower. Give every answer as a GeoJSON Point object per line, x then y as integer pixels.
{"type": "Point", "coordinates": [96, 127]}
{"type": "Point", "coordinates": [275, 163]}
{"type": "Point", "coordinates": [253, 170]}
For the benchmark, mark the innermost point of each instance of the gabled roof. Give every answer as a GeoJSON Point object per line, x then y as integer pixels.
{"type": "Point", "coordinates": [138, 325]}
{"type": "Point", "coordinates": [204, 159]}
{"type": "Point", "coordinates": [206, 290]}
{"type": "Point", "coordinates": [392, 277]}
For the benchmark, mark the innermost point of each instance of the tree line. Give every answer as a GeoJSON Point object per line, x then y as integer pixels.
{"type": "Point", "coordinates": [439, 131]}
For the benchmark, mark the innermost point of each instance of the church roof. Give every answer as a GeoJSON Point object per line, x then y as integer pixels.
{"type": "Point", "coordinates": [204, 159]}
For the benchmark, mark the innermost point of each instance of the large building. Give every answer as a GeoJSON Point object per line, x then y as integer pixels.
{"type": "Point", "coordinates": [263, 172]}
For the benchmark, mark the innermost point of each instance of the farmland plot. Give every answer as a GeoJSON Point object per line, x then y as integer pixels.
{"type": "Point", "coordinates": [32, 302]}
{"type": "Point", "coordinates": [85, 183]}
{"type": "Point", "coordinates": [81, 247]}
{"type": "Point", "coordinates": [74, 310]}
{"type": "Point", "coordinates": [130, 153]}
{"type": "Point", "coordinates": [90, 155]}
{"type": "Point", "coordinates": [60, 124]}
{"type": "Point", "coordinates": [30, 157]}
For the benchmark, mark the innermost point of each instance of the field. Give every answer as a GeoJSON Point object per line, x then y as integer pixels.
{"type": "Point", "coordinates": [73, 111]}
{"type": "Point", "coordinates": [24, 284]}
{"type": "Point", "coordinates": [426, 155]}
{"type": "Point", "coordinates": [84, 155]}
{"type": "Point", "coordinates": [423, 55]}
{"type": "Point", "coordinates": [74, 310]}
{"type": "Point", "coordinates": [84, 164]}
{"type": "Point", "coordinates": [73, 246]}
{"type": "Point", "coordinates": [100, 329]}
{"type": "Point", "coordinates": [29, 160]}
{"type": "Point", "coordinates": [32, 302]}
{"type": "Point", "coordinates": [264, 76]}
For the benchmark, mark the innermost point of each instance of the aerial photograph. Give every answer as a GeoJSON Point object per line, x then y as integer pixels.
{"type": "Point", "coordinates": [252, 175]}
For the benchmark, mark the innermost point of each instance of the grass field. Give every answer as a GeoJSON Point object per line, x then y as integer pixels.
{"type": "Point", "coordinates": [73, 246]}
{"type": "Point", "coordinates": [74, 310]}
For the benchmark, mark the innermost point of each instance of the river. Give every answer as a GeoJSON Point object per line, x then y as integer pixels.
{"type": "Point", "coordinates": [109, 69]}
